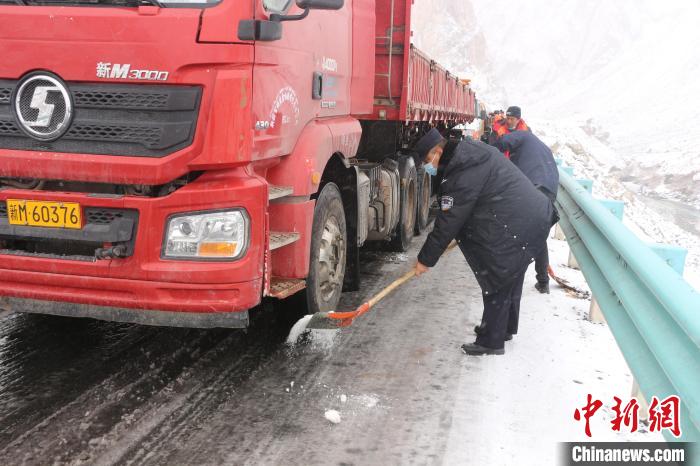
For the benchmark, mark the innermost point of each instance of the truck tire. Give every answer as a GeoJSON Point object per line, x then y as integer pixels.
{"type": "Point", "coordinates": [423, 204]}
{"type": "Point", "coordinates": [328, 252]}
{"type": "Point", "coordinates": [405, 230]}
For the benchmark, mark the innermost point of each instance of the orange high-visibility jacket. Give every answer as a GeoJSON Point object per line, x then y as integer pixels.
{"type": "Point", "coordinates": [500, 127]}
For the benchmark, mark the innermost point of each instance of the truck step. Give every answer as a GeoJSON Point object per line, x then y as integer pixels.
{"type": "Point", "coordinates": [284, 287]}
{"type": "Point", "coordinates": [275, 192]}
{"type": "Point", "coordinates": [279, 239]}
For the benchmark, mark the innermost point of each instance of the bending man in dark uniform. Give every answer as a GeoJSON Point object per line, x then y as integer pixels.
{"type": "Point", "coordinates": [535, 160]}
{"type": "Point", "coordinates": [500, 221]}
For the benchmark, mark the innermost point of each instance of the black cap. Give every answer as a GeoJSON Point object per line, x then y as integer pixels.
{"type": "Point", "coordinates": [513, 112]}
{"type": "Point", "coordinates": [425, 144]}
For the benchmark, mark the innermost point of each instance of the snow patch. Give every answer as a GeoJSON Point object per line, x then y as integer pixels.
{"type": "Point", "coordinates": [298, 329]}
{"type": "Point", "coordinates": [369, 401]}
{"type": "Point", "coordinates": [332, 416]}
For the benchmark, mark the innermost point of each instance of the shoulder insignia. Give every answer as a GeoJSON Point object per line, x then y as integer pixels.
{"type": "Point", "coordinates": [446, 202]}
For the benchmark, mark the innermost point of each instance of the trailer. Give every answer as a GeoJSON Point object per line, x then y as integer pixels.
{"type": "Point", "coordinates": [247, 150]}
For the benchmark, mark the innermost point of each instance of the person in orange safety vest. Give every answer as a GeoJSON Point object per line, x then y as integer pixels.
{"type": "Point", "coordinates": [512, 122]}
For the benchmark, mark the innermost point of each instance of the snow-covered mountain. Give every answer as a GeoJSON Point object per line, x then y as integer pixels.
{"type": "Point", "coordinates": [627, 71]}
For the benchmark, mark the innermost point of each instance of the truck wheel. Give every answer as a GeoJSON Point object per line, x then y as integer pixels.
{"type": "Point", "coordinates": [409, 195]}
{"type": "Point", "coordinates": [423, 204]}
{"type": "Point", "coordinates": [328, 252]}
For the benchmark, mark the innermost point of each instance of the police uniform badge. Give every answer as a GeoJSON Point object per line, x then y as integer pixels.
{"type": "Point", "coordinates": [446, 202]}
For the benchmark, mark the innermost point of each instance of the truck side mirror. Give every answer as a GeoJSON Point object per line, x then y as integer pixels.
{"type": "Point", "coordinates": [321, 4]}
{"type": "Point", "coordinates": [272, 30]}
{"type": "Point", "coordinates": [268, 31]}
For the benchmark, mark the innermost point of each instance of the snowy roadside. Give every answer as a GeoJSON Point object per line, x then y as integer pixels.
{"type": "Point", "coordinates": [520, 406]}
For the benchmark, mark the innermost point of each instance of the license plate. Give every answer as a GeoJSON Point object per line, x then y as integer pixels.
{"type": "Point", "coordinates": [44, 214]}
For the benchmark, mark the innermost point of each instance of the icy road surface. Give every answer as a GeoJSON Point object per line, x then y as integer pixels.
{"type": "Point", "coordinates": [88, 392]}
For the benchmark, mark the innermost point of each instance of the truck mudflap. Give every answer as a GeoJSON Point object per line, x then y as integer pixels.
{"type": "Point", "coordinates": [132, 316]}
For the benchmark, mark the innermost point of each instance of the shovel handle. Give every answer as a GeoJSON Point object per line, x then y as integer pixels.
{"type": "Point", "coordinates": [395, 284]}
{"type": "Point", "coordinates": [366, 306]}
{"type": "Point", "coordinates": [398, 282]}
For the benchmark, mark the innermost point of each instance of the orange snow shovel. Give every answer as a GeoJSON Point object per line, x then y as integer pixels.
{"type": "Point", "coordinates": [328, 320]}
{"type": "Point", "coordinates": [566, 285]}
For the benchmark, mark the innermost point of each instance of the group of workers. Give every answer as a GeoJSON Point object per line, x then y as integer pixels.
{"type": "Point", "coordinates": [497, 201]}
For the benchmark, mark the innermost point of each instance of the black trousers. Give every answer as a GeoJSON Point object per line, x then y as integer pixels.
{"type": "Point", "coordinates": [501, 313]}
{"type": "Point", "coordinates": [541, 264]}
{"type": "Point", "coordinates": [542, 259]}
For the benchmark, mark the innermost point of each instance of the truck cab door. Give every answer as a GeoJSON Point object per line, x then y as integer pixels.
{"type": "Point", "coordinates": [301, 77]}
{"type": "Point", "coordinates": [219, 24]}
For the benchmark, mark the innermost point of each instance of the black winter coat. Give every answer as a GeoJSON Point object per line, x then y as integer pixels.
{"type": "Point", "coordinates": [498, 217]}
{"type": "Point", "coordinates": [532, 157]}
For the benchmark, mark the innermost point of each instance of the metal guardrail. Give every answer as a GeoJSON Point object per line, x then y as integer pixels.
{"type": "Point", "coordinates": [652, 312]}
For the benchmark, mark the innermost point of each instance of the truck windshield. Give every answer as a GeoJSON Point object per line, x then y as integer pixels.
{"type": "Point", "coordinates": [128, 3]}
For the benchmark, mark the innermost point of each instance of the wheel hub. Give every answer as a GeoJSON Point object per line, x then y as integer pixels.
{"type": "Point", "coordinates": [331, 259]}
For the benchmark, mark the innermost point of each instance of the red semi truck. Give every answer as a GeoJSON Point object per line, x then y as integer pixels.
{"type": "Point", "coordinates": [172, 162]}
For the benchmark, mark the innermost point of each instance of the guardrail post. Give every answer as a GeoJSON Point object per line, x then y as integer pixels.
{"type": "Point", "coordinates": [558, 161]}
{"type": "Point", "coordinates": [559, 233]}
{"type": "Point", "coordinates": [595, 314]}
{"type": "Point", "coordinates": [643, 405]}
{"type": "Point", "coordinates": [572, 261]}
{"type": "Point", "coordinates": [568, 170]}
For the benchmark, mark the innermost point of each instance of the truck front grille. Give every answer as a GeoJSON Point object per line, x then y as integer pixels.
{"type": "Point", "coordinates": [114, 119]}
{"type": "Point", "coordinates": [102, 226]}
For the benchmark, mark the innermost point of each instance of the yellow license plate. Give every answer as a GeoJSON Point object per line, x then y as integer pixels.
{"type": "Point", "coordinates": [44, 214]}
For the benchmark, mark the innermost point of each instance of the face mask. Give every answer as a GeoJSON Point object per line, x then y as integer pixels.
{"type": "Point", "coordinates": [430, 169]}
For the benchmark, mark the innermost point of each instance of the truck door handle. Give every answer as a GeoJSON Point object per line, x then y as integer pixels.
{"type": "Point", "coordinates": [317, 86]}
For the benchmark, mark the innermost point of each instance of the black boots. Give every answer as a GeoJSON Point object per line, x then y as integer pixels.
{"type": "Point", "coordinates": [542, 287]}
{"type": "Point", "coordinates": [477, 350]}
{"type": "Point", "coordinates": [479, 330]}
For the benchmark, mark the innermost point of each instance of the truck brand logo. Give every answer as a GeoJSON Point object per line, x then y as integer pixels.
{"type": "Point", "coordinates": [124, 71]}
{"type": "Point", "coordinates": [43, 106]}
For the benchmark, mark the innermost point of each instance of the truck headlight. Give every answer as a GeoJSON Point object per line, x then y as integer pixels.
{"type": "Point", "coordinates": [207, 235]}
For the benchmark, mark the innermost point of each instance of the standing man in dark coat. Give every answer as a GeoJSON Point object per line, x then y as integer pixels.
{"type": "Point", "coordinates": [535, 160]}
{"type": "Point", "coordinates": [499, 220]}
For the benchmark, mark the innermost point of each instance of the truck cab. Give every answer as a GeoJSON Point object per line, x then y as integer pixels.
{"type": "Point", "coordinates": [174, 162]}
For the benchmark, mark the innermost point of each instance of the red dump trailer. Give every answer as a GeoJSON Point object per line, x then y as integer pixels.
{"type": "Point", "coordinates": [409, 85]}
{"type": "Point", "coordinates": [174, 162]}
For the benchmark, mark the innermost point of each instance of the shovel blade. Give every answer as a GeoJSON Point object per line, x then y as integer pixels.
{"type": "Point", "coordinates": [322, 320]}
